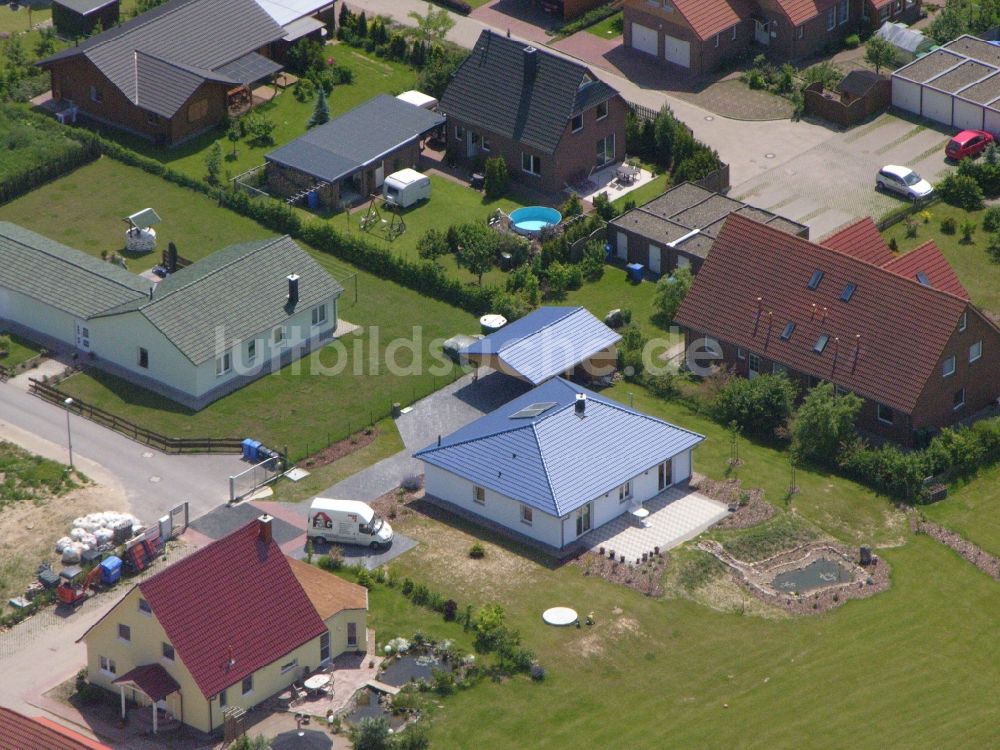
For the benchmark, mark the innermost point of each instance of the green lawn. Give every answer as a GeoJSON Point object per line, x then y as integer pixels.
{"type": "Point", "coordinates": [386, 443]}
{"type": "Point", "coordinates": [18, 350]}
{"type": "Point", "coordinates": [644, 194]}
{"type": "Point", "coordinates": [971, 510]}
{"type": "Point", "coordinates": [372, 76]}
{"type": "Point", "coordinates": [614, 290]}
{"type": "Point", "coordinates": [298, 407]}
{"type": "Point", "coordinates": [17, 19]}
{"type": "Point", "coordinates": [609, 28]}
{"type": "Point", "coordinates": [979, 275]}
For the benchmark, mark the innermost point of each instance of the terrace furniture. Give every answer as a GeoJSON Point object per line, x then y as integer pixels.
{"type": "Point", "coordinates": [317, 682]}
{"type": "Point", "coordinates": [627, 174]}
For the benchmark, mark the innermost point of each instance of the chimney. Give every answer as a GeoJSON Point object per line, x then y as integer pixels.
{"type": "Point", "coordinates": [293, 288]}
{"type": "Point", "coordinates": [264, 528]}
{"type": "Point", "coordinates": [171, 257]}
{"type": "Point", "coordinates": [580, 407]}
{"type": "Point", "coordinates": [530, 63]}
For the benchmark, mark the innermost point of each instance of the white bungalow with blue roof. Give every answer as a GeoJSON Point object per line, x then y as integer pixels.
{"type": "Point", "coordinates": [557, 462]}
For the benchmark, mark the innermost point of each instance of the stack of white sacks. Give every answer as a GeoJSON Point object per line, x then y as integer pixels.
{"type": "Point", "coordinates": [92, 531]}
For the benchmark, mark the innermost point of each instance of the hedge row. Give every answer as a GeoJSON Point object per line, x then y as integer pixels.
{"type": "Point", "coordinates": [422, 276]}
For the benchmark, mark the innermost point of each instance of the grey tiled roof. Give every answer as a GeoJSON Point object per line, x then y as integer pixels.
{"type": "Point", "coordinates": [687, 207]}
{"type": "Point", "coordinates": [194, 36]}
{"type": "Point", "coordinates": [62, 277]}
{"type": "Point", "coordinates": [491, 90]}
{"type": "Point", "coordinates": [232, 295]}
{"type": "Point", "coordinates": [357, 138]}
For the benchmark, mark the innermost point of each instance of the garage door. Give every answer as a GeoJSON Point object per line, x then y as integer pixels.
{"type": "Point", "coordinates": [937, 106]}
{"type": "Point", "coordinates": [968, 115]}
{"type": "Point", "coordinates": [906, 95]}
{"type": "Point", "coordinates": [677, 51]}
{"type": "Point", "coordinates": [644, 39]}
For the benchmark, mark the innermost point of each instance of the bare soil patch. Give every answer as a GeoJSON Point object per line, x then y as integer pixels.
{"type": "Point", "coordinates": [645, 578]}
{"type": "Point", "coordinates": [747, 506]}
{"type": "Point", "coordinates": [340, 449]}
{"type": "Point", "coordinates": [603, 632]}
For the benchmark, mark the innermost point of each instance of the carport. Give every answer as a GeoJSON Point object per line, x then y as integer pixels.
{"type": "Point", "coordinates": [549, 342]}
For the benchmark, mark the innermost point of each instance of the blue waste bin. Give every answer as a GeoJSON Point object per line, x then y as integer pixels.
{"type": "Point", "coordinates": [111, 570]}
{"type": "Point", "coordinates": [634, 271]}
{"type": "Point", "coordinates": [312, 199]}
{"type": "Point", "coordinates": [251, 449]}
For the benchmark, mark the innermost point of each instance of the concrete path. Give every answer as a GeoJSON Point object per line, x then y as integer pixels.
{"type": "Point", "coordinates": [153, 482]}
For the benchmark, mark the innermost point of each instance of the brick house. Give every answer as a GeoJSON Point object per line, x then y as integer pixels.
{"type": "Point", "coordinates": [567, 10]}
{"type": "Point", "coordinates": [548, 117]}
{"type": "Point", "coordinates": [678, 228]}
{"type": "Point", "coordinates": [170, 73]}
{"type": "Point", "coordinates": [698, 35]}
{"type": "Point", "coordinates": [899, 331]}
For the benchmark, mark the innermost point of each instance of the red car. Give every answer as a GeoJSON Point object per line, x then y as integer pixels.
{"type": "Point", "coordinates": [968, 143]}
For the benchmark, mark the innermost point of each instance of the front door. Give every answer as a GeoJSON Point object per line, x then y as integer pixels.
{"type": "Point", "coordinates": [654, 259]}
{"type": "Point", "coordinates": [753, 366]}
{"type": "Point", "coordinates": [761, 32]}
{"type": "Point", "coordinates": [664, 473]}
{"type": "Point", "coordinates": [583, 520]}
{"type": "Point", "coordinates": [83, 337]}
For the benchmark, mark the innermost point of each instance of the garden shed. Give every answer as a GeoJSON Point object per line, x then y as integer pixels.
{"type": "Point", "coordinates": [78, 18]}
{"type": "Point", "coordinates": [957, 85]}
{"type": "Point", "coordinates": [347, 159]}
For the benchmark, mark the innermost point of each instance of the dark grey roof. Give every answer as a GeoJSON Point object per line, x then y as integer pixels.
{"type": "Point", "coordinates": [84, 7]}
{"type": "Point", "coordinates": [493, 91]}
{"type": "Point", "coordinates": [250, 68]}
{"type": "Point", "coordinates": [234, 293]}
{"type": "Point", "coordinates": [357, 138]}
{"type": "Point", "coordinates": [688, 207]}
{"type": "Point", "coordinates": [195, 37]}
{"type": "Point", "coordinates": [62, 277]}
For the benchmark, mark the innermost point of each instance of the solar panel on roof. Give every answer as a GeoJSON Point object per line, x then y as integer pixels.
{"type": "Point", "coordinates": [533, 410]}
{"type": "Point", "coordinates": [815, 279]}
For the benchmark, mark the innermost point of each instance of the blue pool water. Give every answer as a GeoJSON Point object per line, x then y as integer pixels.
{"type": "Point", "coordinates": [533, 219]}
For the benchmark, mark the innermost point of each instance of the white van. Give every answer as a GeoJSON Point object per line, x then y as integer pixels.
{"type": "Point", "coordinates": [406, 187]}
{"type": "Point", "coordinates": [347, 522]}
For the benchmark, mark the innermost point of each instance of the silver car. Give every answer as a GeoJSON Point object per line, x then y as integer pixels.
{"type": "Point", "coordinates": [903, 181]}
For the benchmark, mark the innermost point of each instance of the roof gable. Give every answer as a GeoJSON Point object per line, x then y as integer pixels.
{"type": "Point", "coordinates": [800, 11]}
{"type": "Point", "coordinates": [927, 265]}
{"type": "Point", "coordinates": [547, 342]}
{"type": "Point", "coordinates": [528, 97]}
{"type": "Point", "coordinates": [62, 277]}
{"type": "Point", "coordinates": [861, 240]}
{"type": "Point", "coordinates": [710, 17]}
{"type": "Point", "coordinates": [884, 342]}
{"type": "Point", "coordinates": [557, 461]}
{"type": "Point", "coordinates": [232, 608]}
{"type": "Point", "coordinates": [194, 35]}
{"type": "Point", "coordinates": [328, 593]}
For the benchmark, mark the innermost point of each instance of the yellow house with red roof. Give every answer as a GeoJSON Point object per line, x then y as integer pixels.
{"type": "Point", "coordinates": [230, 625]}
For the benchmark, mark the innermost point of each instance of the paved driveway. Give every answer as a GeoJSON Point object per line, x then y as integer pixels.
{"type": "Point", "coordinates": [833, 182]}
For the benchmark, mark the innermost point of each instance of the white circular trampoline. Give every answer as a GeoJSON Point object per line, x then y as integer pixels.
{"type": "Point", "coordinates": [560, 616]}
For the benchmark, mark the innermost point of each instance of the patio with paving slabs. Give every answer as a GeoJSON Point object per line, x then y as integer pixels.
{"type": "Point", "coordinates": [675, 515]}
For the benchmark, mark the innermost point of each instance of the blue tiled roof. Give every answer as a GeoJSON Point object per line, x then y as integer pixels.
{"type": "Point", "coordinates": [558, 461]}
{"type": "Point", "coordinates": [547, 342]}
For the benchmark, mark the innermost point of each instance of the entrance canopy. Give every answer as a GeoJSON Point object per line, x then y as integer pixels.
{"type": "Point", "coordinates": [152, 679]}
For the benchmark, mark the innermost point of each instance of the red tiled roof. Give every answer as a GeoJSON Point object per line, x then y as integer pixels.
{"type": "Point", "coordinates": [18, 732]}
{"type": "Point", "coordinates": [800, 11]}
{"type": "Point", "coordinates": [231, 608]}
{"type": "Point", "coordinates": [861, 240]}
{"type": "Point", "coordinates": [711, 17]}
{"type": "Point", "coordinates": [903, 325]}
{"type": "Point", "coordinates": [929, 260]}
{"type": "Point", "coordinates": [152, 679]}
{"type": "Point", "coordinates": [878, 4]}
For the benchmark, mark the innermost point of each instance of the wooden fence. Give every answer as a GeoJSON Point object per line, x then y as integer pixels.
{"type": "Point", "coordinates": [130, 430]}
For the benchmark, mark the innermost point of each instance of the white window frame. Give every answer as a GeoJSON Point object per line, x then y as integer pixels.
{"type": "Point", "coordinates": [533, 161]}
{"type": "Point", "coordinates": [223, 364]}
{"type": "Point", "coordinates": [880, 418]}
{"type": "Point", "coordinates": [601, 106]}
{"type": "Point", "coordinates": [108, 665]}
{"type": "Point", "coordinates": [963, 322]}
{"type": "Point", "coordinates": [750, 363]}
{"type": "Point", "coordinates": [319, 315]}
{"type": "Point", "coordinates": [976, 351]}
{"type": "Point", "coordinates": [716, 41]}
{"type": "Point", "coordinates": [736, 28]}
{"type": "Point", "coordinates": [625, 492]}
{"type": "Point", "coordinates": [948, 367]}
{"type": "Point", "coordinates": [800, 31]}
{"type": "Point", "coordinates": [478, 494]}
{"type": "Point", "coordinates": [960, 404]}
{"type": "Point", "coordinates": [243, 685]}
{"type": "Point", "coordinates": [460, 133]}
{"type": "Point", "coordinates": [831, 18]}
{"type": "Point", "coordinates": [286, 668]}
{"type": "Point", "coordinates": [607, 158]}
{"type": "Point", "coordinates": [146, 610]}
{"type": "Point", "coordinates": [485, 145]}
{"type": "Point", "coordinates": [741, 353]}
{"type": "Point", "coordinates": [527, 514]}
{"type": "Point", "coordinates": [578, 128]}
{"type": "Point", "coordinates": [163, 651]}
{"type": "Point", "coordinates": [251, 350]}
{"type": "Point", "coordinates": [127, 638]}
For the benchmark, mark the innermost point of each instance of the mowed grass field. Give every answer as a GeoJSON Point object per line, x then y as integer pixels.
{"type": "Point", "coordinates": [304, 406]}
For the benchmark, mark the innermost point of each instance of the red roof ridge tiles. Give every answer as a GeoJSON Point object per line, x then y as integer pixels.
{"type": "Point", "coordinates": [895, 328]}
{"type": "Point", "coordinates": [800, 11]}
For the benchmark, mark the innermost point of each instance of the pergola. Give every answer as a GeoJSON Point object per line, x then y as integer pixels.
{"type": "Point", "coordinates": [153, 681]}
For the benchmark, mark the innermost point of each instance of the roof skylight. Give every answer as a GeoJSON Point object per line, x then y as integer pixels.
{"type": "Point", "coordinates": [532, 411]}
{"type": "Point", "coordinates": [821, 343]}
{"type": "Point", "coordinates": [848, 292]}
{"type": "Point", "coordinates": [922, 278]}
{"type": "Point", "coordinates": [789, 330]}
{"type": "Point", "coordinates": [815, 279]}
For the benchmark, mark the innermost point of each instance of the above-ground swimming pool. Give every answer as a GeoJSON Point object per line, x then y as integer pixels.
{"type": "Point", "coordinates": [533, 219]}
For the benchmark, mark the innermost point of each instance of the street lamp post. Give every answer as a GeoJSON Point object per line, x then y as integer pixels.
{"type": "Point", "coordinates": [69, 435]}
